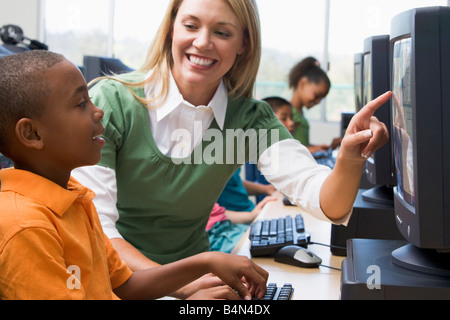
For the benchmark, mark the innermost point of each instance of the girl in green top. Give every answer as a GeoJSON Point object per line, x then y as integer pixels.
{"type": "Point", "coordinates": [170, 130]}
{"type": "Point", "coordinates": [310, 84]}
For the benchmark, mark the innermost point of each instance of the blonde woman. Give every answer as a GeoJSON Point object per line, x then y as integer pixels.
{"type": "Point", "coordinates": [171, 130]}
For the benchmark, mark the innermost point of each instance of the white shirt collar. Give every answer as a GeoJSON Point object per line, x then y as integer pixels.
{"type": "Point", "coordinates": [174, 99]}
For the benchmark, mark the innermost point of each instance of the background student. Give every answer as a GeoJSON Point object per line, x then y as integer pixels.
{"type": "Point", "coordinates": [283, 111]}
{"type": "Point", "coordinates": [310, 85]}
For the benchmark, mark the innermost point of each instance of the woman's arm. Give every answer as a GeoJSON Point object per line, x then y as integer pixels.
{"type": "Point", "coordinates": [364, 135]}
{"type": "Point", "coordinates": [324, 193]}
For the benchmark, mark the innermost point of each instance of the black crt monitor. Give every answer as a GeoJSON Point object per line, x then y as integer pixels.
{"type": "Point", "coordinates": [420, 44]}
{"type": "Point", "coordinates": [346, 117]}
{"type": "Point", "coordinates": [379, 168]}
{"type": "Point", "coordinates": [358, 63]}
{"type": "Point", "coordinates": [95, 67]}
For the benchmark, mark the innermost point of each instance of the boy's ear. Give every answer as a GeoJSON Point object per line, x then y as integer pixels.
{"type": "Point", "coordinates": [27, 134]}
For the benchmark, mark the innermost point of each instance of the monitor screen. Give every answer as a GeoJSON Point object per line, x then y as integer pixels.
{"type": "Point", "coordinates": [357, 77]}
{"type": "Point", "coordinates": [367, 81]}
{"type": "Point", "coordinates": [403, 120]}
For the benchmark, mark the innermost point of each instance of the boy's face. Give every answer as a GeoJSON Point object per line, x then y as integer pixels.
{"type": "Point", "coordinates": [70, 125]}
{"type": "Point", "coordinates": [284, 114]}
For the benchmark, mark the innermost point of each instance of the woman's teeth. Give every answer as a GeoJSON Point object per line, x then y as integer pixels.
{"type": "Point", "coordinates": [201, 61]}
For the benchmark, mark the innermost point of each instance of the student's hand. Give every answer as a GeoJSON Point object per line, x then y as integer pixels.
{"type": "Point", "coordinates": [223, 292]}
{"type": "Point", "coordinates": [320, 147]}
{"type": "Point", "coordinates": [204, 283]}
{"type": "Point", "coordinates": [365, 133]}
{"type": "Point", "coordinates": [240, 273]}
{"type": "Point", "coordinates": [259, 206]}
{"type": "Point", "coordinates": [336, 143]}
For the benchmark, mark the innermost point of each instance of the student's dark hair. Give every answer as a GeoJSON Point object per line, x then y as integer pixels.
{"type": "Point", "coordinates": [277, 102]}
{"type": "Point", "coordinates": [309, 68]}
{"type": "Point", "coordinates": [23, 89]}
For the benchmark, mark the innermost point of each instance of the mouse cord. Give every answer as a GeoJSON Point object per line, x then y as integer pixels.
{"type": "Point", "coordinates": [331, 246]}
{"type": "Point", "coordinates": [330, 267]}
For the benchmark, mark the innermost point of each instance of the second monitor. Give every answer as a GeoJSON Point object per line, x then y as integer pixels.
{"type": "Point", "coordinates": [379, 168]}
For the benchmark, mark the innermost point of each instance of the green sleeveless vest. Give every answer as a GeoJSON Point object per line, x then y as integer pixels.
{"type": "Point", "coordinates": [163, 203]}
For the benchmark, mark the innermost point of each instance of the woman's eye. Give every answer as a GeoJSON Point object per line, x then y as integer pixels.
{"type": "Point", "coordinates": [189, 26]}
{"type": "Point", "coordinates": [223, 34]}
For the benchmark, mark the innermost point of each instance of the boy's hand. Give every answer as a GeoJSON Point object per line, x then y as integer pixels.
{"type": "Point", "coordinates": [240, 273]}
{"type": "Point", "coordinates": [365, 133]}
{"type": "Point", "coordinates": [223, 292]}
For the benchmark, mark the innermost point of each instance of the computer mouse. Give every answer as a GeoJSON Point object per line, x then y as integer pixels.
{"type": "Point", "coordinates": [298, 256]}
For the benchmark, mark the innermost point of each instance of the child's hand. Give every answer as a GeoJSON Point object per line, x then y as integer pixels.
{"type": "Point", "coordinates": [240, 273]}
{"type": "Point", "coordinates": [223, 292]}
{"type": "Point", "coordinates": [365, 133]}
{"type": "Point", "coordinates": [259, 207]}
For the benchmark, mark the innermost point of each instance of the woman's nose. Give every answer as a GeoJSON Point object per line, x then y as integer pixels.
{"type": "Point", "coordinates": [203, 40]}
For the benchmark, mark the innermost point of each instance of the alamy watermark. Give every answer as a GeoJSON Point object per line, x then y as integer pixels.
{"type": "Point", "coordinates": [74, 280]}
{"type": "Point", "coordinates": [231, 146]}
{"type": "Point", "coordinates": [374, 280]}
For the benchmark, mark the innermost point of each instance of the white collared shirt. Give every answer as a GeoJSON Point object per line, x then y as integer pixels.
{"type": "Point", "coordinates": [177, 114]}
{"type": "Point", "coordinates": [297, 174]}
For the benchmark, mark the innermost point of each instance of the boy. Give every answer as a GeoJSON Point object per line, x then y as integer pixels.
{"type": "Point", "coordinates": [51, 242]}
{"type": "Point", "coordinates": [283, 110]}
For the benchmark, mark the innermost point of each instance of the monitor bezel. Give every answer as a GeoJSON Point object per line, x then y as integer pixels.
{"type": "Point", "coordinates": [424, 225]}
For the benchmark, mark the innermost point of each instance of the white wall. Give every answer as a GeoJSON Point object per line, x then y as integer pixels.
{"type": "Point", "coordinates": [24, 13]}
{"type": "Point", "coordinates": [323, 132]}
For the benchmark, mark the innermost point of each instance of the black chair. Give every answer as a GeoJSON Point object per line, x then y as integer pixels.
{"type": "Point", "coordinates": [95, 67]}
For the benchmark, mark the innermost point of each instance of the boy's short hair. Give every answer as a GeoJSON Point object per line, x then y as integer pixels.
{"type": "Point", "coordinates": [277, 102]}
{"type": "Point", "coordinates": [23, 89]}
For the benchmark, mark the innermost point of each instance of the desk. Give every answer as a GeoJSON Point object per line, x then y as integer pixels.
{"type": "Point", "coordinates": [310, 284]}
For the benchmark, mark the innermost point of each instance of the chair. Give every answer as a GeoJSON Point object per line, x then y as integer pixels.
{"type": "Point", "coordinates": [95, 66]}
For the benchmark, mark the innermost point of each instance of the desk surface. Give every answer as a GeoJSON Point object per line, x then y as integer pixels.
{"type": "Point", "coordinates": [310, 284]}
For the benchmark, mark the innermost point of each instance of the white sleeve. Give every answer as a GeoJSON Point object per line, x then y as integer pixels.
{"type": "Point", "coordinates": [102, 181]}
{"type": "Point", "coordinates": [292, 170]}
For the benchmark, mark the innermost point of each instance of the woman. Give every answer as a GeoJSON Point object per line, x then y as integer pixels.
{"type": "Point", "coordinates": [163, 167]}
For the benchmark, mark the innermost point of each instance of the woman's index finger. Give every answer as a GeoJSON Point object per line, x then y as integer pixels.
{"type": "Point", "coordinates": [369, 109]}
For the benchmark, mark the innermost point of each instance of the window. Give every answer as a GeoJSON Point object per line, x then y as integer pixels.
{"type": "Point", "coordinates": [86, 27]}
{"type": "Point", "coordinates": [291, 30]}
{"type": "Point", "coordinates": [77, 28]}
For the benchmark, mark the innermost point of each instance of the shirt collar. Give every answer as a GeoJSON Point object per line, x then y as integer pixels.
{"type": "Point", "coordinates": [218, 103]}
{"type": "Point", "coordinates": [44, 191]}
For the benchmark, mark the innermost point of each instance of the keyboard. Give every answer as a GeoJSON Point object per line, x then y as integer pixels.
{"type": "Point", "coordinates": [275, 292]}
{"type": "Point", "coordinates": [267, 236]}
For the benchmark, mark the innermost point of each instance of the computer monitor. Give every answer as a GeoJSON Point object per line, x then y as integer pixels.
{"type": "Point", "coordinates": [379, 167]}
{"type": "Point", "coordinates": [357, 80]}
{"type": "Point", "coordinates": [420, 44]}
{"type": "Point", "coordinates": [346, 117]}
{"type": "Point", "coordinates": [95, 67]}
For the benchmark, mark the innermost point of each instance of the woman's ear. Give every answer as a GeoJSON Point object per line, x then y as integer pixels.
{"type": "Point", "coordinates": [27, 133]}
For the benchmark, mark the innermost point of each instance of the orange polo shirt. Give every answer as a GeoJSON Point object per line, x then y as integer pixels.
{"type": "Point", "coordinates": [52, 245]}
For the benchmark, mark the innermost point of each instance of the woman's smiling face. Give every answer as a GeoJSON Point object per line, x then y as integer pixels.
{"type": "Point", "coordinates": [206, 39]}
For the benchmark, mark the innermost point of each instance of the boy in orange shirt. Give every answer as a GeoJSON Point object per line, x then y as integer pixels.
{"type": "Point", "coordinates": [51, 242]}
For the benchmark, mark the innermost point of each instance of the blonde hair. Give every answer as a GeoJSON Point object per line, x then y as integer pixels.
{"type": "Point", "coordinates": [239, 80]}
